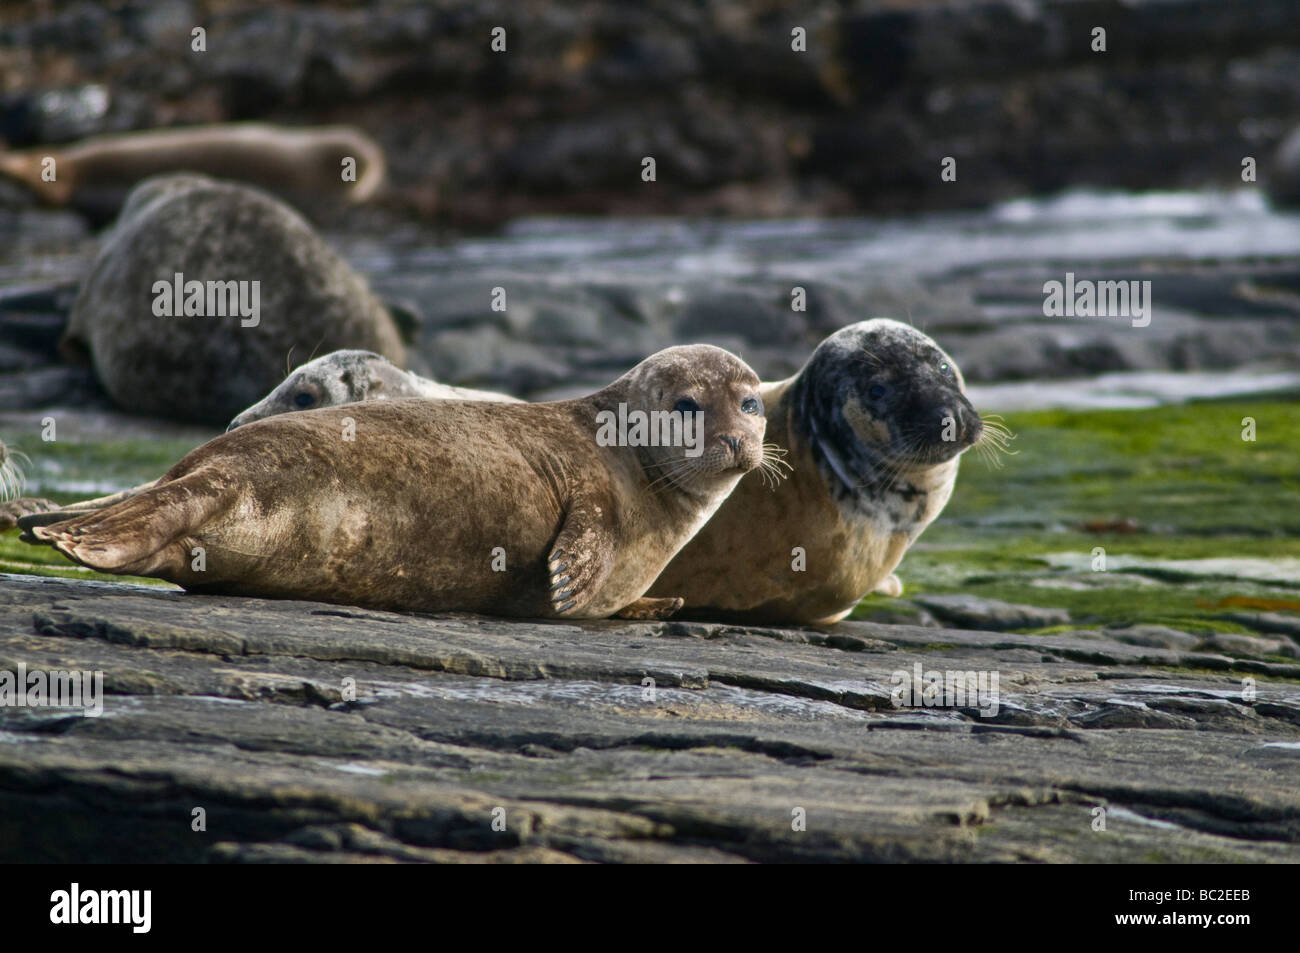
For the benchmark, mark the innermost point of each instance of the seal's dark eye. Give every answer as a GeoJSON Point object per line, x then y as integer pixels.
{"type": "Point", "coordinates": [303, 399]}
{"type": "Point", "coordinates": [945, 369]}
{"type": "Point", "coordinates": [751, 405]}
{"type": "Point", "coordinates": [878, 391]}
{"type": "Point", "coordinates": [686, 406]}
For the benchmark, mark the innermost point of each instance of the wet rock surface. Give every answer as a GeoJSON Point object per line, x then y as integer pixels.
{"type": "Point", "coordinates": [976, 613]}
{"type": "Point", "coordinates": [238, 706]}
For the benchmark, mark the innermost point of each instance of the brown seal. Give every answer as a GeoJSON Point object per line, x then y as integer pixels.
{"type": "Point", "coordinates": [96, 174]}
{"type": "Point", "coordinates": [874, 424]}
{"type": "Point", "coordinates": [506, 508]}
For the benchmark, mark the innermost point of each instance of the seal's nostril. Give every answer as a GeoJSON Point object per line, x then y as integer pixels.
{"type": "Point", "coordinates": [733, 443]}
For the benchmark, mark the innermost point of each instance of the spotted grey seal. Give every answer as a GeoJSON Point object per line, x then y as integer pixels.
{"type": "Point", "coordinates": [202, 290]}
{"type": "Point", "coordinates": [874, 423]}
{"type": "Point", "coordinates": [347, 377]}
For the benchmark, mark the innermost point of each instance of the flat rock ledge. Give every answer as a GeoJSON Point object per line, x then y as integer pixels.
{"type": "Point", "coordinates": [472, 739]}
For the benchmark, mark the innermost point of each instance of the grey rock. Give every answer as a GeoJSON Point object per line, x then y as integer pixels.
{"type": "Point", "coordinates": [1131, 716]}
{"type": "Point", "coordinates": [1230, 643]}
{"type": "Point", "coordinates": [238, 705]}
{"type": "Point", "coordinates": [1275, 750]}
{"type": "Point", "coordinates": [46, 386]}
{"type": "Point", "coordinates": [1282, 176]}
{"type": "Point", "coordinates": [894, 612]}
{"type": "Point", "coordinates": [1159, 636]}
{"type": "Point", "coordinates": [486, 355]}
{"type": "Point", "coordinates": [1281, 623]}
{"type": "Point", "coordinates": [976, 613]}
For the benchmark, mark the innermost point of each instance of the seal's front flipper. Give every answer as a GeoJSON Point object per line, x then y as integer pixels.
{"type": "Point", "coordinates": [582, 556]}
{"type": "Point", "coordinates": [646, 608]}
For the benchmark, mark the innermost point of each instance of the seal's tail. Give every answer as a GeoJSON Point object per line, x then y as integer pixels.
{"type": "Point", "coordinates": [147, 534]}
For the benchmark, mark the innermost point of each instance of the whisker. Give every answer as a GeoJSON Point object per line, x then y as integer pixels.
{"type": "Point", "coordinates": [668, 477]}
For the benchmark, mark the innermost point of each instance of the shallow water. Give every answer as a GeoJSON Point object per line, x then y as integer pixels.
{"type": "Point", "coordinates": [1076, 226]}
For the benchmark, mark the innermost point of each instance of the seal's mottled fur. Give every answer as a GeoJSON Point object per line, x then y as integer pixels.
{"type": "Point", "coordinates": [209, 368]}
{"type": "Point", "coordinates": [346, 377]}
{"type": "Point", "coordinates": [864, 425]}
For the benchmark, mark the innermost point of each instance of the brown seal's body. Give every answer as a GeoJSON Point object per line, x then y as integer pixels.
{"type": "Point", "coordinates": [96, 174]}
{"type": "Point", "coordinates": [422, 508]}
{"type": "Point", "coordinates": [864, 424]}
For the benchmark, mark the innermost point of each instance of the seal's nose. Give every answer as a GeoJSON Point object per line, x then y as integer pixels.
{"type": "Point", "coordinates": [733, 443]}
{"type": "Point", "coordinates": [952, 428]}
{"type": "Point", "coordinates": [958, 424]}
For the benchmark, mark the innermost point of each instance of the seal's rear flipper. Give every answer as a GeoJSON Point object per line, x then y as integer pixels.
{"type": "Point", "coordinates": [145, 535]}
{"type": "Point", "coordinates": [29, 512]}
{"type": "Point", "coordinates": [32, 520]}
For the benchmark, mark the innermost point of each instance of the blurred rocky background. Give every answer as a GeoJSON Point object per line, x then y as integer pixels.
{"type": "Point", "coordinates": [737, 120]}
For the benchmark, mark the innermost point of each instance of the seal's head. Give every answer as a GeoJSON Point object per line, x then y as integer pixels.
{"type": "Point", "coordinates": [879, 398]}
{"type": "Point", "coordinates": [703, 422]}
{"type": "Point", "coordinates": [343, 377]}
